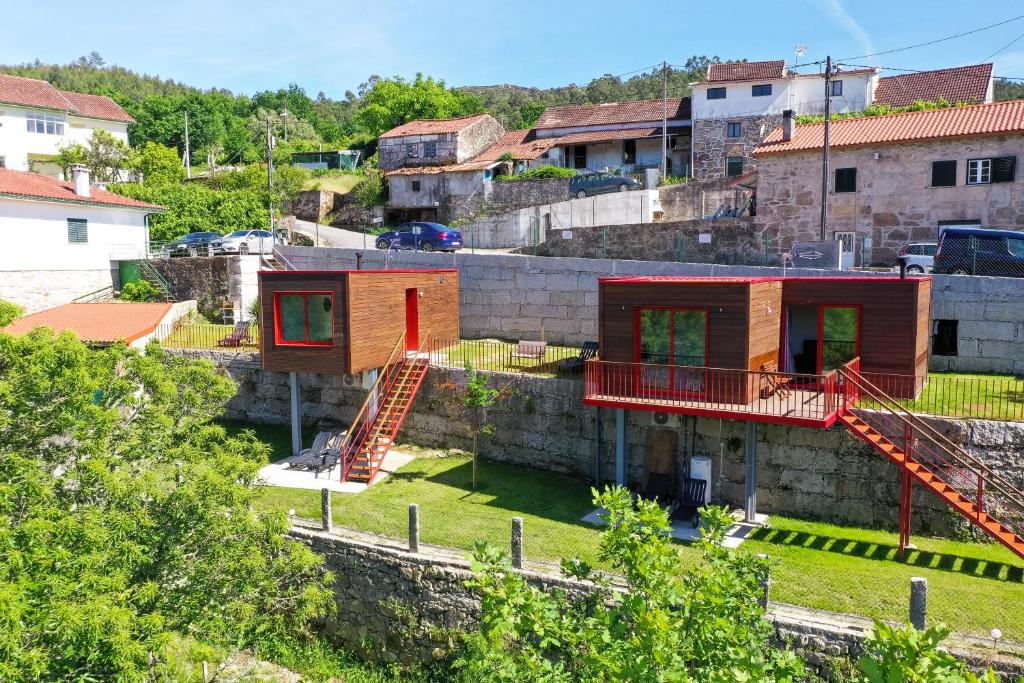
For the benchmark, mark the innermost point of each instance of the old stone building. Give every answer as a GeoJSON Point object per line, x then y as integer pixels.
{"type": "Point", "coordinates": [894, 178]}
{"type": "Point", "coordinates": [438, 142]}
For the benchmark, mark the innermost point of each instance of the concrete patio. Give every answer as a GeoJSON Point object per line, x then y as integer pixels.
{"type": "Point", "coordinates": [279, 474]}
{"type": "Point", "coordinates": [682, 531]}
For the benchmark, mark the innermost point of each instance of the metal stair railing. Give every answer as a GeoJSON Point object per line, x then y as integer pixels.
{"type": "Point", "coordinates": [923, 444]}
{"type": "Point", "coordinates": [129, 252]}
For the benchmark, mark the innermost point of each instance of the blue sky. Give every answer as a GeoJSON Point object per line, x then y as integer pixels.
{"type": "Point", "coordinates": [334, 46]}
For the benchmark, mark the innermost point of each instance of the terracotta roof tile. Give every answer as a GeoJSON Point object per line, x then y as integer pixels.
{"type": "Point", "coordinates": [590, 137]}
{"type": "Point", "coordinates": [522, 144]}
{"type": "Point", "coordinates": [103, 322]}
{"type": "Point", "coordinates": [747, 71]}
{"type": "Point", "coordinates": [433, 126]}
{"type": "Point", "coordinates": [952, 122]}
{"type": "Point", "coordinates": [641, 111]}
{"type": "Point", "coordinates": [30, 92]}
{"type": "Point", "coordinates": [35, 186]}
{"type": "Point", "coordinates": [960, 84]}
{"type": "Point", "coordinates": [97, 107]}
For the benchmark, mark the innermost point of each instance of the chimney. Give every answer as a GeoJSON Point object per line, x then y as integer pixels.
{"type": "Point", "coordinates": [787, 125]}
{"type": "Point", "coordinates": [80, 176]}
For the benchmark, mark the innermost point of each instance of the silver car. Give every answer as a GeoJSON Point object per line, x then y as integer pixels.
{"type": "Point", "coordinates": [244, 242]}
{"type": "Point", "coordinates": [920, 257]}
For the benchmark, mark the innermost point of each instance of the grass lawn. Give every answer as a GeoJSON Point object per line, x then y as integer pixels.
{"type": "Point", "coordinates": [204, 335]}
{"type": "Point", "coordinates": [993, 397]}
{"type": "Point", "coordinates": [973, 587]}
{"type": "Point", "coordinates": [341, 183]}
{"type": "Point", "coordinates": [494, 354]}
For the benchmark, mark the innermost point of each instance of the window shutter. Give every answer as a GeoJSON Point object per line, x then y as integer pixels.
{"type": "Point", "coordinates": [846, 180]}
{"type": "Point", "coordinates": [1003, 169]}
{"type": "Point", "coordinates": [944, 173]}
{"type": "Point", "coordinates": [78, 230]}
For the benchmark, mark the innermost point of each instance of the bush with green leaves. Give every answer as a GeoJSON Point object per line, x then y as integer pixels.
{"type": "Point", "coordinates": [369, 191]}
{"type": "Point", "coordinates": [195, 207]}
{"type": "Point", "coordinates": [9, 311]}
{"type": "Point", "coordinates": [671, 622]}
{"type": "Point", "coordinates": [539, 173]}
{"type": "Point", "coordinates": [133, 546]}
{"type": "Point", "coordinates": [908, 655]}
{"type": "Point", "coordinates": [673, 180]}
{"type": "Point", "coordinates": [140, 290]}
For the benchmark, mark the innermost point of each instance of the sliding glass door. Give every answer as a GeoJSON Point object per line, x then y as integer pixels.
{"type": "Point", "coordinates": [668, 336]}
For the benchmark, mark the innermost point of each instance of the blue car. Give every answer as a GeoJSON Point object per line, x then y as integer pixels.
{"type": "Point", "coordinates": [421, 235]}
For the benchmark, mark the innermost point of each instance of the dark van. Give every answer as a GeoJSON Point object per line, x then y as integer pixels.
{"type": "Point", "coordinates": [980, 251]}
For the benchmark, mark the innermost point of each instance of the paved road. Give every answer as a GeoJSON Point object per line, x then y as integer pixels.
{"type": "Point", "coordinates": [334, 237]}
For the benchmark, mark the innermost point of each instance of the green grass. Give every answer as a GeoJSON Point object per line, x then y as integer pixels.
{"type": "Point", "coordinates": [993, 397]}
{"type": "Point", "coordinates": [494, 354]}
{"type": "Point", "coordinates": [341, 183]}
{"type": "Point", "coordinates": [203, 335]}
{"type": "Point", "coordinates": [973, 587]}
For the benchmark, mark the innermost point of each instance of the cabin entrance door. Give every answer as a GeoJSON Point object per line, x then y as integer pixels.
{"type": "Point", "coordinates": [412, 320]}
{"type": "Point", "coordinates": [819, 338]}
{"type": "Point", "coordinates": [667, 337]}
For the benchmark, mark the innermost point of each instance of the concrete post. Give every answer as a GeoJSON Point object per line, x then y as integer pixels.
{"type": "Point", "coordinates": [620, 446]}
{"type": "Point", "coordinates": [326, 520]}
{"type": "Point", "coordinates": [750, 509]}
{"type": "Point", "coordinates": [414, 528]}
{"type": "Point", "coordinates": [918, 602]}
{"type": "Point", "coordinates": [517, 542]}
{"type": "Point", "coordinates": [293, 386]}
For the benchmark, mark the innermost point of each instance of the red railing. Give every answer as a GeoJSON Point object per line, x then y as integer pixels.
{"type": "Point", "coordinates": [746, 394]}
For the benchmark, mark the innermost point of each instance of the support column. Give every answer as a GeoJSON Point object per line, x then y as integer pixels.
{"type": "Point", "coordinates": [906, 492]}
{"type": "Point", "coordinates": [293, 386]}
{"type": "Point", "coordinates": [750, 508]}
{"type": "Point", "coordinates": [620, 446]}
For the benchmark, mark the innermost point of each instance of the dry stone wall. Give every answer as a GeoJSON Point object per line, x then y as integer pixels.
{"type": "Point", "coordinates": [509, 195]}
{"type": "Point", "coordinates": [712, 145]}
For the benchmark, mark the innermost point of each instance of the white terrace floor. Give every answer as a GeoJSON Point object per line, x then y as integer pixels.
{"type": "Point", "coordinates": [683, 531]}
{"type": "Point", "coordinates": [278, 474]}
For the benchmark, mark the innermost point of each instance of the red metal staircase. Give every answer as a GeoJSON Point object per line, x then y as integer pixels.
{"type": "Point", "coordinates": [984, 497]}
{"type": "Point", "coordinates": [375, 427]}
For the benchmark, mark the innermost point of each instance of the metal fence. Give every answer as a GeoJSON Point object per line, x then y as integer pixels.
{"type": "Point", "coordinates": [210, 336]}
{"type": "Point", "coordinates": [978, 397]}
{"type": "Point", "coordinates": [530, 357]}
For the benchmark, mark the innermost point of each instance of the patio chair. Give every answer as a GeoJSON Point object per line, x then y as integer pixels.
{"type": "Point", "coordinates": [588, 351]}
{"type": "Point", "coordinates": [772, 383]}
{"type": "Point", "coordinates": [688, 504]}
{"type": "Point", "coordinates": [528, 350]}
{"type": "Point", "coordinates": [659, 489]}
{"type": "Point", "coordinates": [239, 335]}
{"type": "Point", "coordinates": [331, 455]}
{"type": "Point", "coordinates": [309, 457]}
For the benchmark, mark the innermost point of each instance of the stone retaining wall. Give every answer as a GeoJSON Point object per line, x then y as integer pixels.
{"type": "Point", "coordinates": [204, 279]}
{"type": "Point", "coordinates": [990, 323]}
{"type": "Point", "coordinates": [700, 199]}
{"type": "Point", "coordinates": [509, 195]}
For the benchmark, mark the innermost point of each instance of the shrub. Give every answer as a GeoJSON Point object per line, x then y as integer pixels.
{"type": "Point", "coordinates": [369, 191]}
{"type": "Point", "coordinates": [540, 173]}
{"type": "Point", "coordinates": [673, 180]}
{"type": "Point", "coordinates": [140, 290]}
{"type": "Point", "coordinates": [8, 312]}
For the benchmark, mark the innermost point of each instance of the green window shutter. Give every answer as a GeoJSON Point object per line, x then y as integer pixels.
{"type": "Point", "coordinates": [78, 230]}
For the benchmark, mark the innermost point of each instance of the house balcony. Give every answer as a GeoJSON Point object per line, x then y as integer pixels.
{"type": "Point", "coordinates": [751, 395]}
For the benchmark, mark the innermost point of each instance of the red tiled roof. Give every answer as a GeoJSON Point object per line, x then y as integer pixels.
{"type": "Point", "coordinates": [960, 84]}
{"type": "Point", "coordinates": [464, 167]}
{"type": "Point", "coordinates": [522, 144]}
{"type": "Point", "coordinates": [103, 322]}
{"type": "Point", "coordinates": [30, 92]}
{"type": "Point", "coordinates": [641, 111]}
{"type": "Point", "coordinates": [591, 137]}
{"type": "Point", "coordinates": [747, 71]}
{"type": "Point", "coordinates": [433, 126]}
{"type": "Point", "coordinates": [969, 121]}
{"type": "Point", "coordinates": [96, 107]}
{"type": "Point", "coordinates": [23, 184]}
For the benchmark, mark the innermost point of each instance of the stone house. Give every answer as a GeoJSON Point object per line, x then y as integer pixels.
{"type": "Point", "coordinates": [894, 178]}
{"type": "Point", "coordinates": [738, 104]}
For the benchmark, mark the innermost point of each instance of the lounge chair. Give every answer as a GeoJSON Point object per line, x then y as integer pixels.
{"type": "Point", "coordinates": [332, 455]}
{"type": "Point", "coordinates": [238, 337]}
{"type": "Point", "coordinates": [691, 501]}
{"type": "Point", "coordinates": [588, 351]}
{"type": "Point", "coordinates": [309, 457]}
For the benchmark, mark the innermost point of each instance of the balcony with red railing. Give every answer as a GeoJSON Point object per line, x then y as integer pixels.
{"type": "Point", "coordinates": [754, 395]}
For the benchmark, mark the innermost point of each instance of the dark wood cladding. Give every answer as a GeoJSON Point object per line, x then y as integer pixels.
{"type": "Point", "coordinates": [369, 316]}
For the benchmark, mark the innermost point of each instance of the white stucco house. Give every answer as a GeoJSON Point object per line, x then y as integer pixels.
{"type": "Point", "coordinates": [62, 239]}
{"type": "Point", "coordinates": [37, 120]}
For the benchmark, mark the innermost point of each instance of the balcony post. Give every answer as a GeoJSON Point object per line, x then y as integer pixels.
{"type": "Point", "coordinates": [293, 386]}
{"type": "Point", "coordinates": [620, 446]}
{"type": "Point", "coordinates": [750, 509]}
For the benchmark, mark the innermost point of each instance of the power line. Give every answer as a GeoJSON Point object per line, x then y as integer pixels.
{"type": "Point", "coordinates": [1003, 47]}
{"type": "Point", "coordinates": [937, 40]}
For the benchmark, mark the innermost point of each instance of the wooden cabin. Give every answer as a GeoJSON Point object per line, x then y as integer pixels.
{"type": "Point", "coordinates": [348, 321]}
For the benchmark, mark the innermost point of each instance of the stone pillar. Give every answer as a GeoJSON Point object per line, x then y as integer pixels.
{"type": "Point", "coordinates": [293, 386]}
{"type": "Point", "coordinates": [750, 508]}
{"type": "Point", "coordinates": [414, 528]}
{"type": "Point", "coordinates": [620, 446]}
{"type": "Point", "coordinates": [326, 520]}
{"type": "Point", "coordinates": [918, 602]}
{"type": "Point", "coordinates": [517, 542]}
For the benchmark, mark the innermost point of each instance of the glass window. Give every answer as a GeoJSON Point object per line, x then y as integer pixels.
{"type": "Point", "coordinates": [415, 186]}
{"type": "Point", "coordinates": [305, 318]}
{"type": "Point", "coordinates": [716, 93]}
{"type": "Point", "coordinates": [677, 338]}
{"type": "Point", "coordinates": [733, 167]}
{"type": "Point", "coordinates": [78, 230]}
{"type": "Point", "coordinates": [846, 180]}
{"type": "Point", "coordinates": [430, 149]}
{"type": "Point", "coordinates": [979, 171]}
{"type": "Point", "coordinates": [52, 124]}
{"type": "Point", "coordinates": [1016, 247]}
{"type": "Point", "coordinates": [837, 88]}
{"type": "Point", "coordinates": [735, 129]}
{"type": "Point", "coordinates": [944, 173]}
{"type": "Point", "coordinates": [761, 90]}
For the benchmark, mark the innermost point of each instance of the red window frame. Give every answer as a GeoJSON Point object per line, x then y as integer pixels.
{"type": "Point", "coordinates": [278, 340]}
{"type": "Point", "coordinates": [672, 329]}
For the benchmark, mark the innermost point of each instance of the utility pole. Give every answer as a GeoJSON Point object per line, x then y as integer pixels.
{"type": "Point", "coordinates": [188, 152]}
{"type": "Point", "coordinates": [824, 151]}
{"type": "Point", "coordinates": [270, 179]}
{"type": "Point", "coordinates": [284, 117]}
{"type": "Point", "coordinates": [664, 119]}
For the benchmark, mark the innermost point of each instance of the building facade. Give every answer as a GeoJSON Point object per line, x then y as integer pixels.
{"type": "Point", "coordinates": [894, 179]}
{"type": "Point", "coordinates": [38, 120]}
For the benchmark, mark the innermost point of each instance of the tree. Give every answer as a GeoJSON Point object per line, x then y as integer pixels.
{"type": "Point", "coordinates": [159, 164]}
{"type": "Point", "coordinates": [390, 102]}
{"type": "Point", "coordinates": [133, 545]}
{"type": "Point", "coordinates": [671, 622]}
{"type": "Point", "coordinates": [474, 400]}
{"type": "Point", "coordinates": [9, 312]}
{"type": "Point", "coordinates": [369, 191]}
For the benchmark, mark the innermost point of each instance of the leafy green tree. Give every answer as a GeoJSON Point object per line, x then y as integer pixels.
{"type": "Point", "coordinates": [195, 207]}
{"type": "Point", "coordinates": [369, 191]}
{"type": "Point", "coordinates": [394, 101]}
{"type": "Point", "coordinates": [132, 542]}
{"type": "Point", "coordinates": [71, 155]}
{"type": "Point", "coordinates": [159, 164]}
{"type": "Point", "coordinates": [106, 156]}
{"type": "Point", "coordinates": [671, 622]}
{"type": "Point", "coordinates": [9, 311]}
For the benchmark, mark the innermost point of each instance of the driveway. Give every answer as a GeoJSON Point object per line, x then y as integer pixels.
{"type": "Point", "coordinates": [334, 237]}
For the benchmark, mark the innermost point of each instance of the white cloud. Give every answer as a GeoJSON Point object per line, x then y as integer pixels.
{"type": "Point", "coordinates": [843, 19]}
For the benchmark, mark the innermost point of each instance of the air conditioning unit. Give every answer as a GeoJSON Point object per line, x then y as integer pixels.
{"type": "Point", "coordinates": [350, 381]}
{"type": "Point", "coordinates": [662, 420]}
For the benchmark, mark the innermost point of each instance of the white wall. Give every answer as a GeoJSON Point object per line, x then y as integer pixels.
{"type": "Point", "coordinates": [36, 235]}
{"type": "Point", "coordinates": [804, 95]}
{"type": "Point", "coordinates": [808, 94]}
{"type": "Point", "coordinates": [16, 143]}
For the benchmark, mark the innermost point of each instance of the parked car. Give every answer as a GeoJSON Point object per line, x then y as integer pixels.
{"type": "Point", "coordinates": [920, 257]}
{"type": "Point", "coordinates": [587, 184]}
{"type": "Point", "coordinates": [979, 251]}
{"type": "Point", "coordinates": [244, 242]}
{"type": "Point", "coordinates": [192, 244]}
{"type": "Point", "coordinates": [421, 235]}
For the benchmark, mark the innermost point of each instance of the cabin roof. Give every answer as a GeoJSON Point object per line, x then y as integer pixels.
{"type": "Point", "coordinates": [710, 279]}
{"type": "Point", "coordinates": [285, 273]}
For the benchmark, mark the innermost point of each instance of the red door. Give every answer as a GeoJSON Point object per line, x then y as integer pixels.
{"type": "Point", "coordinates": [412, 319]}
